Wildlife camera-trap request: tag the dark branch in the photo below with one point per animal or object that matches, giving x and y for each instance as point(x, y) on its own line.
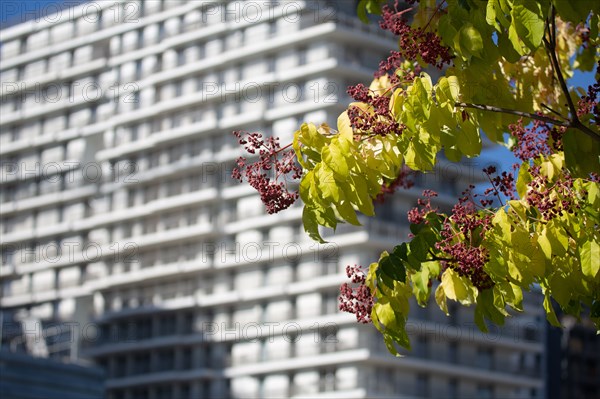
point(514, 112)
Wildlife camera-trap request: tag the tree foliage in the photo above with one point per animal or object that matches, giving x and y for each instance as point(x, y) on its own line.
point(503, 70)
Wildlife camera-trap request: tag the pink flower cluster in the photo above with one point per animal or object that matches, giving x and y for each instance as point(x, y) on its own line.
point(589, 103)
point(272, 160)
point(357, 300)
point(414, 42)
point(382, 122)
point(535, 140)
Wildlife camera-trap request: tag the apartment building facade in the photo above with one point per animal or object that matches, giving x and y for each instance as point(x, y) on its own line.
point(123, 233)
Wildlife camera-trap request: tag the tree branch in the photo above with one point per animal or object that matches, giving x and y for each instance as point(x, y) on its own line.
point(514, 112)
point(561, 79)
point(551, 50)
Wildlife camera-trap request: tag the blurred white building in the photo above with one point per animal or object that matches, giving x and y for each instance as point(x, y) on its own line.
point(124, 239)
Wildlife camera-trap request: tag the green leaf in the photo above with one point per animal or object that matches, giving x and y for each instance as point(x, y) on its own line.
point(309, 220)
point(440, 298)
point(347, 212)
point(593, 190)
point(446, 30)
point(529, 22)
point(550, 314)
point(560, 288)
point(305, 183)
point(494, 12)
point(374, 7)
point(480, 318)
point(589, 254)
point(447, 91)
point(327, 183)
point(419, 246)
point(361, 10)
point(517, 297)
point(509, 45)
point(418, 101)
point(468, 139)
point(516, 42)
point(581, 153)
point(393, 267)
point(470, 39)
point(458, 288)
point(334, 158)
point(359, 195)
point(326, 217)
point(420, 282)
point(575, 11)
point(545, 246)
point(344, 127)
point(523, 179)
point(537, 263)
point(557, 238)
point(421, 153)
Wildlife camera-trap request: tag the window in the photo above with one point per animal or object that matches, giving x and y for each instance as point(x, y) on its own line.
point(161, 29)
point(422, 387)
point(453, 389)
point(167, 325)
point(140, 36)
point(138, 69)
point(330, 264)
point(327, 380)
point(141, 363)
point(166, 360)
point(485, 392)
point(453, 352)
point(421, 348)
point(143, 329)
point(164, 392)
point(328, 337)
point(485, 358)
point(180, 57)
point(330, 303)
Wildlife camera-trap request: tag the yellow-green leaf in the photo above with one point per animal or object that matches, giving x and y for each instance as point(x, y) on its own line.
point(334, 158)
point(440, 298)
point(344, 126)
point(458, 288)
point(470, 39)
point(589, 254)
point(529, 22)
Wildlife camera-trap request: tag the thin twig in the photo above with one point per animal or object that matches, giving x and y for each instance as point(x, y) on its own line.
point(554, 111)
point(496, 192)
point(434, 257)
point(433, 15)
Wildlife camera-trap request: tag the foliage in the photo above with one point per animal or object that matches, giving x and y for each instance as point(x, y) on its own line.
point(503, 66)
